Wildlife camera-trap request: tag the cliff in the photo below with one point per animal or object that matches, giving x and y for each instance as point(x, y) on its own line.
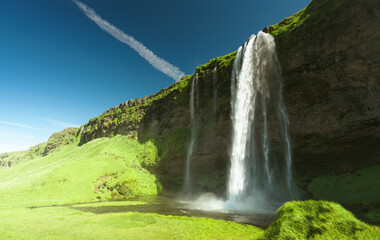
point(330, 58)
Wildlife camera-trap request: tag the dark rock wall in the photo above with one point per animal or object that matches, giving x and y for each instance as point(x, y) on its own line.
point(331, 70)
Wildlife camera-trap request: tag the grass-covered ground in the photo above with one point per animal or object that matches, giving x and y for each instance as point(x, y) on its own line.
point(71, 175)
point(103, 169)
point(65, 223)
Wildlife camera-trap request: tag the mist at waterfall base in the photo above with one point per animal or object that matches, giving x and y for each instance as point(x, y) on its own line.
point(260, 175)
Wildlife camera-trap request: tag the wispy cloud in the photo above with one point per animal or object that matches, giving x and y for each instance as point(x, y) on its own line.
point(59, 123)
point(6, 148)
point(157, 62)
point(15, 135)
point(20, 125)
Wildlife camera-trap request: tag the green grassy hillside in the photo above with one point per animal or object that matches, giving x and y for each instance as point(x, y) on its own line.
point(97, 170)
point(103, 169)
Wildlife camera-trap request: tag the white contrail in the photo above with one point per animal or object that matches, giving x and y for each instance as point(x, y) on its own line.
point(157, 62)
point(22, 126)
point(59, 123)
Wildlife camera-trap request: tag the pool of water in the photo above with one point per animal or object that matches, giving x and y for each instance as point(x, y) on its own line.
point(171, 206)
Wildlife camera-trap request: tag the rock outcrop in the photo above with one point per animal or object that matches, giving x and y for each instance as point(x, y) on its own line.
point(330, 57)
point(59, 139)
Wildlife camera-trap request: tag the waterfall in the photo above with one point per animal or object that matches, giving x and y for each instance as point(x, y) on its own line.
point(260, 153)
point(194, 86)
point(215, 100)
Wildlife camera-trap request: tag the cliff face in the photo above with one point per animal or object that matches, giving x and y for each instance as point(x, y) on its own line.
point(330, 58)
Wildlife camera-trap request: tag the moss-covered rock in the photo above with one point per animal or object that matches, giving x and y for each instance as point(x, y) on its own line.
point(318, 220)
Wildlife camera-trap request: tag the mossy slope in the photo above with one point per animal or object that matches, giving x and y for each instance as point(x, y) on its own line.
point(73, 175)
point(318, 220)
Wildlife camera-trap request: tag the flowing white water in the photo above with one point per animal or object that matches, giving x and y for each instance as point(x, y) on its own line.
point(194, 84)
point(260, 155)
point(260, 177)
point(215, 83)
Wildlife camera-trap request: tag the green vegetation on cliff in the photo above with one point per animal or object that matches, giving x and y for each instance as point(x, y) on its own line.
point(125, 118)
point(316, 13)
point(359, 190)
point(59, 139)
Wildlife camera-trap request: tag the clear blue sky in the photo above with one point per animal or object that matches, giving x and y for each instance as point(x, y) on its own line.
point(59, 69)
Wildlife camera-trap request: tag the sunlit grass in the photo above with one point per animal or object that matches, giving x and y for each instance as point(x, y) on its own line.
point(107, 204)
point(65, 223)
point(68, 176)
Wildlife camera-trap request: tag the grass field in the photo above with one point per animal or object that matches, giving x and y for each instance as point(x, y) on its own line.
point(72, 175)
point(64, 223)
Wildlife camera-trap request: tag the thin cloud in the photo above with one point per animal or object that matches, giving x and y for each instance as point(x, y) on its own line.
point(14, 135)
point(20, 125)
point(157, 62)
point(59, 123)
point(7, 148)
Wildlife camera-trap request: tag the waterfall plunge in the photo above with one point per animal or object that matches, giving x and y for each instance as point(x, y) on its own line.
point(193, 102)
point(260, 177)
point(260, 173)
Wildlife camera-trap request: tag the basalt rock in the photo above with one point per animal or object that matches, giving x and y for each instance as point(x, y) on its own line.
point(331, 75)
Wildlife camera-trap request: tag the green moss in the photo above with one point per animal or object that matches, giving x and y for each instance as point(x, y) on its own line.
point(315, 13)
point(350, 188)
point(129, 117)
point(318, 220)
point(374, 215)
point(288, 24)
point(171, 146)
point(149, 156)
point(219, 62)
point(130, 183)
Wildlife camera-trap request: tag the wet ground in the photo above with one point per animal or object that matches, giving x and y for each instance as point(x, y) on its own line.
point(170, 206)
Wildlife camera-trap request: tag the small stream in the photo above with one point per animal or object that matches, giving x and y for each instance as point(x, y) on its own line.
point(170, 206)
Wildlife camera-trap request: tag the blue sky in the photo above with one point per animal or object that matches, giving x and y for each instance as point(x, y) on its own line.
point(59, 69)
